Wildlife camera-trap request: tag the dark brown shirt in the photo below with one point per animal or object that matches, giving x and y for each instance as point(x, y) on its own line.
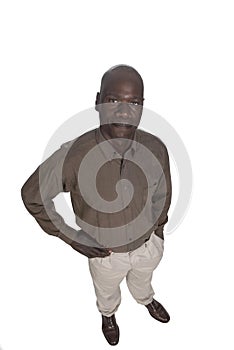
point(117, 199)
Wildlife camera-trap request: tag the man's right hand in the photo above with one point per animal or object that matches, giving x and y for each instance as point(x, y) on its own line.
point(90, 252)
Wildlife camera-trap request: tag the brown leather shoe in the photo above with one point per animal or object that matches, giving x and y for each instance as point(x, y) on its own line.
point(158, 312)
point(110, 329)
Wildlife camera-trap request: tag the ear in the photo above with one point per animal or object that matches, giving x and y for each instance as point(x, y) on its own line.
point(97, 101)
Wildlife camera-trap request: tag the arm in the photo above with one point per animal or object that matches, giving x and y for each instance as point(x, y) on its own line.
point(163, 195)
point(52, 177)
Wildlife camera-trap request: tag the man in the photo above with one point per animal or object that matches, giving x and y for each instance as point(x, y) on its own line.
point(119, 181)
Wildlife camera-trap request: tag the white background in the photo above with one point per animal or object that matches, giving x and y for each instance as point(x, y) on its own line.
point(53, 54)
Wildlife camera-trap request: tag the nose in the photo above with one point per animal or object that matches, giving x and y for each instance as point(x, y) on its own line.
point(122, 111)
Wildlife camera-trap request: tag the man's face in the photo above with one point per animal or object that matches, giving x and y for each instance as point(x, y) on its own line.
point(120, 104)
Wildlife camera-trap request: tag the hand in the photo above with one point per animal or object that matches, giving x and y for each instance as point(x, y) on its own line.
point(90, 252)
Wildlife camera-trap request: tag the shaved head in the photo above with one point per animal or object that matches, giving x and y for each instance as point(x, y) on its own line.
point(121, 71)
point(120, 103)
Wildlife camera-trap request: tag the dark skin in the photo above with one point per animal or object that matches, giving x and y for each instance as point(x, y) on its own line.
point(89, 251)
point(119, 104)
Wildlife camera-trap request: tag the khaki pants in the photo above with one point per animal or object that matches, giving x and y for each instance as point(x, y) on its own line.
point(137, 266)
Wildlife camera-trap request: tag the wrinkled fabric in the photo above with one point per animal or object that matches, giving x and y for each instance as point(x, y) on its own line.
point(60, 173)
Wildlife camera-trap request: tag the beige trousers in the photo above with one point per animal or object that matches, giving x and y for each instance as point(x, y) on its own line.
point(137, 266)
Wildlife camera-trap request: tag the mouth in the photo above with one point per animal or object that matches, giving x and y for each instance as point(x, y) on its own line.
point(122, 125)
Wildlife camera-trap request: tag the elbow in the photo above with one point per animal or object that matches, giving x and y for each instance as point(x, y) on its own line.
point(24, 195)
point(29, 191)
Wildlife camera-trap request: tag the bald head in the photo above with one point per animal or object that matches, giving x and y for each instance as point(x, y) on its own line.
point(122, 72)
point(120, 102)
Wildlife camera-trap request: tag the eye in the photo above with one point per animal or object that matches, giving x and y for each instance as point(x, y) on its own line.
point(135, 103)
point(113, 100)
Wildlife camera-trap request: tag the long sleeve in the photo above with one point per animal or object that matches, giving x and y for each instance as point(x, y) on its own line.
point(163, 193)
point(48, 180)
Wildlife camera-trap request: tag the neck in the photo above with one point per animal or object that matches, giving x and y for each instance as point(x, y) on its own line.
point(120, 144)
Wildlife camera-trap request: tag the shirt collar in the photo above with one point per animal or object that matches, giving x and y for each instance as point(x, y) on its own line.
point(109, 151)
